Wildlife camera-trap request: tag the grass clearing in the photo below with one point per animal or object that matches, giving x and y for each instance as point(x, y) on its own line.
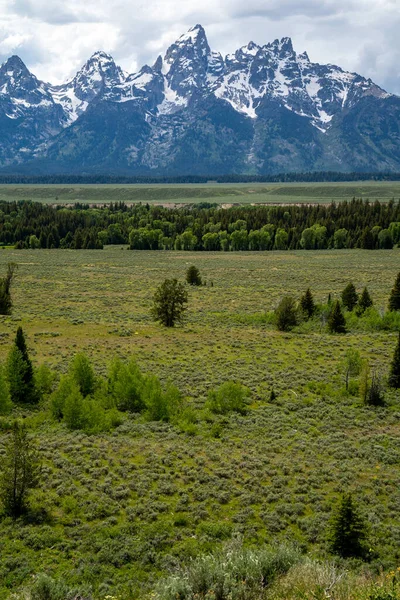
point(124, 509)
point(235, 193)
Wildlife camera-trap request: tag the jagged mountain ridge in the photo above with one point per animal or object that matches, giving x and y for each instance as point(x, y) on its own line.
point(261, 109)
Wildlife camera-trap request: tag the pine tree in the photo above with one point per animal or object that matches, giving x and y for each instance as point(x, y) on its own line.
point(349, 296)
point(394, 299)
point(169, 302)
point(5, 290)
point(336, 320)
point(365, 301)
point(307, 303)
point(193, 276)
point(347, 531)
point(20, 373)
point(394, 375)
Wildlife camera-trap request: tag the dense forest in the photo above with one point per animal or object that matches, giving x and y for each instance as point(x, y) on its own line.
point(314, 176)
point(355, 224)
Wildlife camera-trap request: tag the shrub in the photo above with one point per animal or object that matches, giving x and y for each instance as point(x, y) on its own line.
point(285, 314)
point(19, 471)
point(237, 573)
point(229, 397)
point(82, 373)
point(125, 384)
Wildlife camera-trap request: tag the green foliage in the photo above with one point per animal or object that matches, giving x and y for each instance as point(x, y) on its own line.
point(66, 387)
point(19, 471)
point(394, 374)
point(46, 588)
point(228, 397)
point(347, 531)
point(286, 314)
point(169, 302)
point(160, 405)
point(349, 296)
point(193, 276)
point(125, 383)
point(351, 365)
point(73, 410)
point(336, 320)
point(239, 573)
point(307, 304)
point(5, 290)
point(19, 372)
point(82, 373)
point(394, 298)
point(5, 399)
point(44, 380)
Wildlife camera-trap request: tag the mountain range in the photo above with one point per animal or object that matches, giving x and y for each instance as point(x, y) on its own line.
point(262, 110)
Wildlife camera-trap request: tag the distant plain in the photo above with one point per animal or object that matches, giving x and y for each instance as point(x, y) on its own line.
point(235, 193)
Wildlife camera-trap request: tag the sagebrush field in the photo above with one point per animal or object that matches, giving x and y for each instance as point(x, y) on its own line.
point(235, 193)
point(122, 510)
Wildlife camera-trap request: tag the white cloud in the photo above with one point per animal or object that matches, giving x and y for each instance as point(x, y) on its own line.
point(55, 38)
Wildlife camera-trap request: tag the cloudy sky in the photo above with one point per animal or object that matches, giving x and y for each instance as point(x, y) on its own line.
point(55, 37)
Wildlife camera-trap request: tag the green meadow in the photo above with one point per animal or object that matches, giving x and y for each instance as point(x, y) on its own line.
point(117, 512)
point(238, 193)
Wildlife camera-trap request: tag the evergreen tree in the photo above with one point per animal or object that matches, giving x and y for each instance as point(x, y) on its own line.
point(193, 276)
point(170, 301)
point(365, 301)
point(347, 532)
point(20, 373)
point(5, 290)
point(349, 296)
point(19, 472)
point(394, 375)
point(336, 320)
point(394, 299)
point(307, 303)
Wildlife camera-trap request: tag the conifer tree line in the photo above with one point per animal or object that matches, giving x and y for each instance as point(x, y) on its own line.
point(354, 224)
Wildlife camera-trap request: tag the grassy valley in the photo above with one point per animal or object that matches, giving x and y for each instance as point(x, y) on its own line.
point(117, 512)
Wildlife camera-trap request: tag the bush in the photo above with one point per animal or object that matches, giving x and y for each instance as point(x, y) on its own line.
point(19, 471)
point(82, 373)
point(229, 397)
point(161, 405)
point(237, 573)
point(125, 384)
point(286, 314)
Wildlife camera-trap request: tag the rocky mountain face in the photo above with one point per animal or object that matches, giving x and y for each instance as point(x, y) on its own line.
point(263, 109)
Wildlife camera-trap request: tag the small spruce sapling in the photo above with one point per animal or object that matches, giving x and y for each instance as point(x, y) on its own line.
point(364, 302)
point(307, 304)
point(394, 374)
point(394, 298)
point(347, 531)
point(349, 296)
point(336, 320)
point(193, 276)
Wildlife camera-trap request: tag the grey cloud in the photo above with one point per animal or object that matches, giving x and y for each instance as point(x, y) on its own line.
point(359, 35)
